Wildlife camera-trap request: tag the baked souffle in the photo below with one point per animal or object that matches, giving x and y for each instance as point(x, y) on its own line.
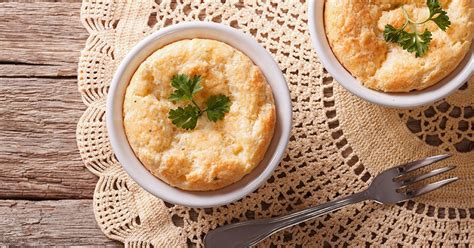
point(201, 152)
point(357, 33)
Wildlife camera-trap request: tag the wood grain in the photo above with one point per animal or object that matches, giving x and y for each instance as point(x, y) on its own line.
point(47, 223)
point(40, 39)
point(39, 155)
point(40, 102)
point(40, 106)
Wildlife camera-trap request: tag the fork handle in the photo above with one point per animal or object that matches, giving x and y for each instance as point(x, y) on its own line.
point(247, 233)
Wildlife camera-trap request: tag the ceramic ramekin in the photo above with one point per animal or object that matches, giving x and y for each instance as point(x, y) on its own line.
point(396, 100)
point(238, 40)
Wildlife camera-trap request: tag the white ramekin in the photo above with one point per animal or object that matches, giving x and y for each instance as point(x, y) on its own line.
point(396, 100)
point(238, 40)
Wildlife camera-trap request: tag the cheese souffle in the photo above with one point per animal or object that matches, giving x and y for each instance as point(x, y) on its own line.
point(213, 154)
point(355, 31)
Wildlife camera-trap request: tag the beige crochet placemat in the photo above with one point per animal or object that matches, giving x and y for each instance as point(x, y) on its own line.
point(338, 142)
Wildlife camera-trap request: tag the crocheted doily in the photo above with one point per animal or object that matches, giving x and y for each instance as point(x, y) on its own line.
point(338, 141)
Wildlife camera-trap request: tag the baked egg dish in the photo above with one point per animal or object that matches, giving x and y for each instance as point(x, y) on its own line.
point(355, 30)
point(211, 154)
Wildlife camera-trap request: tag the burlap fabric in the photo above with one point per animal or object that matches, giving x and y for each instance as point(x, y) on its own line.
point(338, 142)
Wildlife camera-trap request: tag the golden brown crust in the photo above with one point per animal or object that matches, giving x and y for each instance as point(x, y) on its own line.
point(354, 29)
point(213, 155)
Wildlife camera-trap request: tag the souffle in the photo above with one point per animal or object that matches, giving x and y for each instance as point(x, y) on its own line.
point(355, 30)
point(211, 154)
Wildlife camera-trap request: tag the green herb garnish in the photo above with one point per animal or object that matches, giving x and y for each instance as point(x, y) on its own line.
point(217, 106)
point(186, 117)
point(417, 42)
point(185, 87)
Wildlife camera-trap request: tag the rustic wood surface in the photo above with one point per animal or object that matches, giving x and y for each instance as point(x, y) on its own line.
point(45, 191)
point(46, 223)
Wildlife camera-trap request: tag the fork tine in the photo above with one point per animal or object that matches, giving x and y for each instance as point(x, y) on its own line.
point(427, 175)
point(411, 166)
point(430, 187)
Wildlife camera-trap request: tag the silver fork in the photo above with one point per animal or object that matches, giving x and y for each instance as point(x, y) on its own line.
point(389, 187)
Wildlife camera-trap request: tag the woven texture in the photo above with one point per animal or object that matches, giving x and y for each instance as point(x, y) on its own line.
point(338, 141)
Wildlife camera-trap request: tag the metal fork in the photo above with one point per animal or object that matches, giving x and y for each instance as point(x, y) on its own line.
point(389, 187)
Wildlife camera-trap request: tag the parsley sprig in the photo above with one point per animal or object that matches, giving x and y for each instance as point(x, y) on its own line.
point(417, 42)
point(186, 117)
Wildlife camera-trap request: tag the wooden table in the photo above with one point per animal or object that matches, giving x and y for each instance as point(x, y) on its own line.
point(45, 190)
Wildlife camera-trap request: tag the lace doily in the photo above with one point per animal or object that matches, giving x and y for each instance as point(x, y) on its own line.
point(338, 141)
